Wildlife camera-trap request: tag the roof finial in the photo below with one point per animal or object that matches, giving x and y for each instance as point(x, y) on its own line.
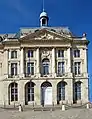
point(43, 5)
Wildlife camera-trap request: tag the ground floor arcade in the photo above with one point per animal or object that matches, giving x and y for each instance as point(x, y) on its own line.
point(43, 92)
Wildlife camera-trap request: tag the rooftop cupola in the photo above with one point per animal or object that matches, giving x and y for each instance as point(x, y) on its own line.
point(44, 19)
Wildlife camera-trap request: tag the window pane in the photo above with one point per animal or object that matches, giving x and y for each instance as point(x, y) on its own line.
point(30, 53)
point(13, 54)
point(61, 91)
point(13, 68)
point(45, 69)
point(30, 68)
point(60, 53)
point(12, 71)
point(78, 91)
point(12, 97)
point(77, 68)
point(61, 67)
point(31, 94)
point(76, 53)
point(45, 66)
point(16, 97)
point(14, 92)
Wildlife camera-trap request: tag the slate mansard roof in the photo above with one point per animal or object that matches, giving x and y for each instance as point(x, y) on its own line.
point(63, 31)
point(26, 31)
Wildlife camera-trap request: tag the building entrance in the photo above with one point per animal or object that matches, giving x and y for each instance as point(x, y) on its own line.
point(46, 93)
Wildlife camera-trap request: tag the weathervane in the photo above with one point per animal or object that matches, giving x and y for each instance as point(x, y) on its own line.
point(43, 5)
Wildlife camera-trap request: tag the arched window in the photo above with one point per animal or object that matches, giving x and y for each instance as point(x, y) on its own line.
point(13, 92)
point(29, 92)
point(45, 64)
point(78, 91)
point(61, 91)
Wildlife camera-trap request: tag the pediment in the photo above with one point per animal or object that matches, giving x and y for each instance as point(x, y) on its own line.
point(44, 34)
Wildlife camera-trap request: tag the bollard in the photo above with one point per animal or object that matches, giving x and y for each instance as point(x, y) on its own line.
point(63, 107)
point(87, 106)
point(20, 108)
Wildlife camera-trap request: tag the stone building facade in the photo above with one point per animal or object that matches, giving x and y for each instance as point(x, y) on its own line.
point(43, 66)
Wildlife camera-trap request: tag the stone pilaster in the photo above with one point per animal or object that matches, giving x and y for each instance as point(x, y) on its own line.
point(53, 63)
point(54, 93)
point(21, 92)
point(5, 64)
point(69, 91)
point(9, 54)
point(9, 69)
point(37, 94)
point(22, 63)
point(18, 66)
point(69, 61)
point(38, 63)
point(84, 91)
point(85, 63)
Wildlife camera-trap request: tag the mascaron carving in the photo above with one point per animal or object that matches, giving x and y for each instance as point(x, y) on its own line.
point(45, 54)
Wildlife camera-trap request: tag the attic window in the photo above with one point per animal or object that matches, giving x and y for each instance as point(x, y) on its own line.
point(36, 30)
point(53, 30)
point(1, 39)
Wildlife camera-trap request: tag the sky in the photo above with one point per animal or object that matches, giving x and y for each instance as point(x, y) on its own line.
point(76, 14)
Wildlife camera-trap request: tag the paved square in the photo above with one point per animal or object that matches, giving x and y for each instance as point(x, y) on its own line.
point(57, 114)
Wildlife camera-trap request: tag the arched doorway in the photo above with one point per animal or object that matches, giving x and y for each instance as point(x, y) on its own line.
point(77, 91)
point(46, 93)
point(61, 91)
point(13, 92)
point(29, 92)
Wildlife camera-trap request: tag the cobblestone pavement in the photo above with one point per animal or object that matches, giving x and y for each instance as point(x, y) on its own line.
point(57, 114)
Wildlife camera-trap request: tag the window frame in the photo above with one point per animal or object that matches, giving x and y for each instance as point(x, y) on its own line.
point(61, 53)
point(13, 54)
point(61, 91)
point(30, 68)
point(78, 90)
point(30, 53)
point(61, 67)
point(14, 69)
point(30, 92)
point(77, 68)
point(45, 66)
point(13, 92)
point(76, 53)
